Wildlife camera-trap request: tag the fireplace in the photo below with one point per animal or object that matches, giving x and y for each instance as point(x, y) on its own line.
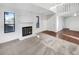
point(26, 31)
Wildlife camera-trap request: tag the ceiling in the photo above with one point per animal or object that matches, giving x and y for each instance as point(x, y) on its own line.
point(64, 9)
point(46, 5)
point(42, 8)
point(61, 9)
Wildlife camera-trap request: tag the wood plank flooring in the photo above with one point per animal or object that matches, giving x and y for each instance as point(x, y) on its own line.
point(44, 45)
point(50, 33)
point(68, 35)
point(31, 46)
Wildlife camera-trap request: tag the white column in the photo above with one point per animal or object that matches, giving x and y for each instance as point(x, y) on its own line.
point(59, 23)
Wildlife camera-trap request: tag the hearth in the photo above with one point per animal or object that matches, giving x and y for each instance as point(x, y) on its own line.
point(26, 31)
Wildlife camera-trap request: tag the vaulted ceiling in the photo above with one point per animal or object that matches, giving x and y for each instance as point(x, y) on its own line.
point(26, 7)
point(63, 9)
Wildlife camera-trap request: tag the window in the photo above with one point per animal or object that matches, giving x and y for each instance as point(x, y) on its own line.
point(9, 22)
point(37, 24)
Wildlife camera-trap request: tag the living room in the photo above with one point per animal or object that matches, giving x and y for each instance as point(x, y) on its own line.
point(39, 28)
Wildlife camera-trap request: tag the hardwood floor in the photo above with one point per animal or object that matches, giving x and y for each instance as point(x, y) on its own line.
point(31, 46)
point(50, 33)
point(69, 35)
point(66, 34)
point(44, 45)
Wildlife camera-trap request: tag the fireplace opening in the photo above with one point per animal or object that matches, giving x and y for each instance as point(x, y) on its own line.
point(26, 31)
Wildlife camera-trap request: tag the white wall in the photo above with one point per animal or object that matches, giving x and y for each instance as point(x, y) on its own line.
point(22, 19)
point(72, 23)
point(55, 23)
point(51, 23)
